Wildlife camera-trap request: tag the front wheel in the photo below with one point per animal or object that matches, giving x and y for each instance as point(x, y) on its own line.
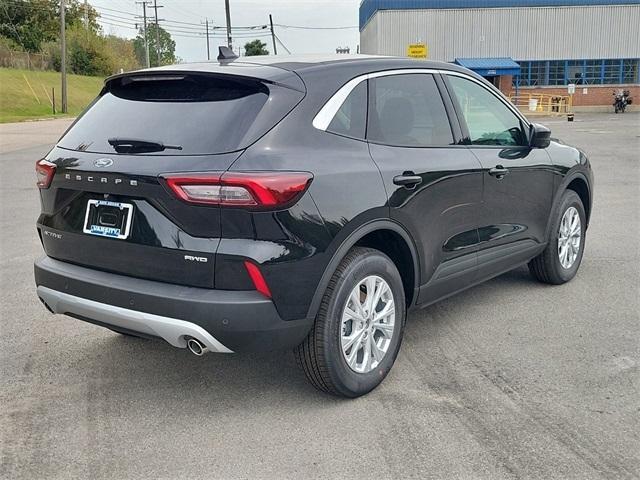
point(358, 330)
point(560, 260)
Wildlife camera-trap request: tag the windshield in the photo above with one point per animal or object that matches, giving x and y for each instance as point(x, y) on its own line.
point(202, 114)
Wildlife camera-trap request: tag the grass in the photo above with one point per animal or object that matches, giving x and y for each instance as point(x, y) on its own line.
point(26, 94)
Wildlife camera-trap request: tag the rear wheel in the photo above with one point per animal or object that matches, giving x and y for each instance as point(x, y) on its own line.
point(560, 261)
point(358, 330)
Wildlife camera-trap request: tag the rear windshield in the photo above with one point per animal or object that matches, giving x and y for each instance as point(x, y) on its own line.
point(200, 114)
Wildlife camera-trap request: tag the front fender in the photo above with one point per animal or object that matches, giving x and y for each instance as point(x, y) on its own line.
point(582, 174)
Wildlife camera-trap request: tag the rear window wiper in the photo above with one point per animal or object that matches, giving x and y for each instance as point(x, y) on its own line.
point(132, 145)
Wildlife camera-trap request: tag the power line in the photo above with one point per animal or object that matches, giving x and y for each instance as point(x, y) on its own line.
point(304, 27)
point(282, 25)
point(186, 25)
point(130, 22)
point(248, 27)
point(184, 11)
point(118, 25)
point(218, 36)
point(182, 33)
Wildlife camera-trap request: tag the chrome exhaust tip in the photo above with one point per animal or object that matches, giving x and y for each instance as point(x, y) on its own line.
point(196, 347)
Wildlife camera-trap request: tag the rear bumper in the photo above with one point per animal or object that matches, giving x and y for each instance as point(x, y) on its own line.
point(225, 321)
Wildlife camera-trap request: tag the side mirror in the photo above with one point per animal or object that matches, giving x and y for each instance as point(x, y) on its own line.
point(539, 136)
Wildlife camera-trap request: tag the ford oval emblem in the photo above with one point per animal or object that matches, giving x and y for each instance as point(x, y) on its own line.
point(103, 162)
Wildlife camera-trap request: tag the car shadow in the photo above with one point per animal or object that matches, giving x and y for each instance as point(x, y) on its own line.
point(118, 365)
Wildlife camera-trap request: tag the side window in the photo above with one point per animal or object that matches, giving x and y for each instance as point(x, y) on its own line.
point(350, 120)
point(490, 122)
point(407, 110)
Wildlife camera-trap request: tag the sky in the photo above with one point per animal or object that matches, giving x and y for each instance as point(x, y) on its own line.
point(183, 20)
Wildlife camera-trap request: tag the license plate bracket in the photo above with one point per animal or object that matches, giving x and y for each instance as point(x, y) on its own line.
point(105, 218)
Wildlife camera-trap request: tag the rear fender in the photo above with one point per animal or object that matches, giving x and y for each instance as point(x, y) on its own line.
point(345, 244)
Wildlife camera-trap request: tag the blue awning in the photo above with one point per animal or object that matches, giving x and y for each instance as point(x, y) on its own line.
point(488, 67)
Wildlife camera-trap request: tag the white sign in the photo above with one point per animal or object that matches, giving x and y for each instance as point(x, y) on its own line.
point(571, 88)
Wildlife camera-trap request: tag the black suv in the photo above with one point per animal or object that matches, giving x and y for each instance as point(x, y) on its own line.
point(300, 202)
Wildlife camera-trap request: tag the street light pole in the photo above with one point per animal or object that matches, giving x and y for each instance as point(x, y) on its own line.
point(63, 54)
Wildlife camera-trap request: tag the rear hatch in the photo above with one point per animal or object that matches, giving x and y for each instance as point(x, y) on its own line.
point(105, 205)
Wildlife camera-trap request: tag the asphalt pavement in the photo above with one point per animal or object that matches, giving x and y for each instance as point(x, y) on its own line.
point(511, 379)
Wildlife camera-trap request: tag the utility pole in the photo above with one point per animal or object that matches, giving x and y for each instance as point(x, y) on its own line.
point(63, 54)
point(146, 41)
point(228, 14)
point(206, 23)
point(155, 7)
point(273, 36)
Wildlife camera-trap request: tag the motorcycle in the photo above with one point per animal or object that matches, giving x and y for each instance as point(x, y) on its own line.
point(621, 100)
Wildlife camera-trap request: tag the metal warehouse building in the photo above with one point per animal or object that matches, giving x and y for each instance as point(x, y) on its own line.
point(521, 45)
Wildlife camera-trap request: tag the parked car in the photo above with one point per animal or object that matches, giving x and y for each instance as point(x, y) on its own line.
point(300, 202)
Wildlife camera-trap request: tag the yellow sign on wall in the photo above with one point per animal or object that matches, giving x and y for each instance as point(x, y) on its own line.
point(418, 50)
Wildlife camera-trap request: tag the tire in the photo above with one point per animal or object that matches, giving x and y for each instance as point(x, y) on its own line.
point(321, 354)
point(548, 267)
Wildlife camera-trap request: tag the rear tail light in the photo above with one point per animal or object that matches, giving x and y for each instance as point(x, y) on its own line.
point(242, 189)
point(258, 280)
point(44, 173)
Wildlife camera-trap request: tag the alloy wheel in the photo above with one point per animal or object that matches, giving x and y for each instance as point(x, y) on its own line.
point(368, 324)
point(569, 237)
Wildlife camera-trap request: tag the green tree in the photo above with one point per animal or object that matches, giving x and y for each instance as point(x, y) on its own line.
point(30, 23)
point(121, 54)
point(90, 53)
point(256, 47)
point(167, 46)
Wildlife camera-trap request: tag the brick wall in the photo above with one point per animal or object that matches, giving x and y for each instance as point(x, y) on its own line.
point(597, 95)
point(505, 84)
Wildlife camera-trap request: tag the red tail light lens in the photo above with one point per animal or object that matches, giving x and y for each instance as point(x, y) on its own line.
point(243, 189)
point(258, 280)
point(44, 173)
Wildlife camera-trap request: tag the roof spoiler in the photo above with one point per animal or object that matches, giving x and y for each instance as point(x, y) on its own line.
point(226, 54)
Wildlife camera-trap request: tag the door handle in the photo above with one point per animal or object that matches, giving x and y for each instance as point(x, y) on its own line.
point(407, 179)
point(498, 171)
